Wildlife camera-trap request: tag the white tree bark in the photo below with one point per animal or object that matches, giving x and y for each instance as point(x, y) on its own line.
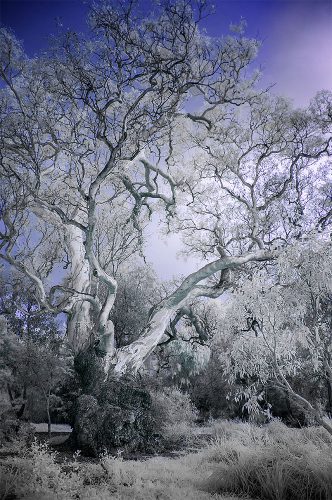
point(130, 358)
point(79, 321)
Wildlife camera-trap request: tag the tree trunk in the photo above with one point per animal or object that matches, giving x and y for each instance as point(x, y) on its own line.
point(79, 318)
point(305, 405)
point(79, 325)
point(20, 411)
point(130, 358)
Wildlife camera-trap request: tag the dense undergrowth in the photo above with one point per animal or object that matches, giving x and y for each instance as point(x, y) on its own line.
point(271, 462)
point(239, 460)
point(38, 475)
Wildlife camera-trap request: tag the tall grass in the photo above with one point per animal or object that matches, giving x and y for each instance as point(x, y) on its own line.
point(38, 475)
point(272, 462)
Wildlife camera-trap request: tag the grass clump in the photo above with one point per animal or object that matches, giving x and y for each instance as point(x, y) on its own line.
point(272, 462)
point(37, 474)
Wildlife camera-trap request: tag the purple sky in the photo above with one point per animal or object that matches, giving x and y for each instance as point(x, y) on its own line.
point(296, 53)
point(296, 34)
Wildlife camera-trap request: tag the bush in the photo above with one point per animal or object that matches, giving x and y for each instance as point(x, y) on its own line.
point(127, 413)
point(209, 392)
point(271, 462)
point(14, 434)
point(118, 415)
point(172, 406)
point(175, 415)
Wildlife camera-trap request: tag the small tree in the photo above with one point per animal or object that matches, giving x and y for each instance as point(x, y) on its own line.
point(31, 347)
point(28, 365)
point(48, 370)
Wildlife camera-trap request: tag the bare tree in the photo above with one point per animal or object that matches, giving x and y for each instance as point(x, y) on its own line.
point(97, 134)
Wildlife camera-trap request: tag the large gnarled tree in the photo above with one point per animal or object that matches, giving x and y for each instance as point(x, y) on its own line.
point(146, 115)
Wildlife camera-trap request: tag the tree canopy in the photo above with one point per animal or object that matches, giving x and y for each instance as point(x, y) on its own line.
point(143, 115)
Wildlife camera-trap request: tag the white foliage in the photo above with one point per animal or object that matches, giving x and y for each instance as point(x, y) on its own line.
point(289, 305)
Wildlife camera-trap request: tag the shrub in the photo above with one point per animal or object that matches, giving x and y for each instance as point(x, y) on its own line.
point(37, 475)
point(210, 392)
point(14, 434)
point(118, 415)
point(271, 462)
point(175, 415)
point(173, 406)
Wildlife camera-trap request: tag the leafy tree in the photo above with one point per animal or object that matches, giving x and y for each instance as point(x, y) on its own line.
point(138, 291)
point(29, 365)
point(281, 326)
point(31, 350)
point(211, 392)
point(49, 369)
